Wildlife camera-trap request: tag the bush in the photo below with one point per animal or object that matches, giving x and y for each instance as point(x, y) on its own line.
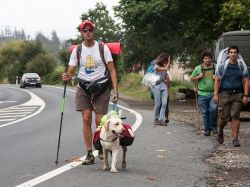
point(130, 84)
point(54, 77)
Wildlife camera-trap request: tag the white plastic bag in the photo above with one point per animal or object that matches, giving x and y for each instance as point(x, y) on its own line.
point(150, 79)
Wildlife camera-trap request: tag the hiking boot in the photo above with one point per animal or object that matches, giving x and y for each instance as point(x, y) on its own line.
point(89, 159)
point(207, 132)
point(215, 131)
point(236, 142)
point(220, 137)
point(100, 154)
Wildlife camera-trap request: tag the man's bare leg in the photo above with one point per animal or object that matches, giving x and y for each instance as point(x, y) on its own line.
point(220, 136)
point(87, 135)
point(235, 132)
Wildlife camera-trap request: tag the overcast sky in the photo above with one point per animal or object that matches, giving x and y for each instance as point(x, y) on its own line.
point(33, 16)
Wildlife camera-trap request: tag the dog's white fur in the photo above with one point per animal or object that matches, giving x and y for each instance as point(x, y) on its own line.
point(109, 135)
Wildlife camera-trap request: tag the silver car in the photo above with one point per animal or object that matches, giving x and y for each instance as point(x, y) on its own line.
point(30, 79)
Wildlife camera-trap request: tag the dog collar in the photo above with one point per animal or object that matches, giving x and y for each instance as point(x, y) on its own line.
point(109, 141)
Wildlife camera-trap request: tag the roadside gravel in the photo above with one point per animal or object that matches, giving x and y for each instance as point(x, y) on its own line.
point(231, 165)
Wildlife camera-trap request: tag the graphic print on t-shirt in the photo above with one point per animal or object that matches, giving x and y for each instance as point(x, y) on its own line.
point(90, 64)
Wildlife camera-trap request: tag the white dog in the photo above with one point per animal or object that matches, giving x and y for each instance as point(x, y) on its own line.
point(109, 137)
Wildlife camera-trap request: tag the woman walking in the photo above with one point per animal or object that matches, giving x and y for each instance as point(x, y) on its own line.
point(160, 89)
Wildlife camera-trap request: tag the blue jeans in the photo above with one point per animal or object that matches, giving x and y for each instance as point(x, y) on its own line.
point(160, 97)
point(209, 111)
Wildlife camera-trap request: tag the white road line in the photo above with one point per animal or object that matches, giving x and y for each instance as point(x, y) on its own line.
point(25, 107)
point(34, 101)
point(71, 165)
point(18, 110)
point(7, 101)
point(16, 115)
point(10, 113)
point(6, 120)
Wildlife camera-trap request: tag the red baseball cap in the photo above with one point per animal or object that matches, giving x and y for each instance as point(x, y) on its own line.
point(85, 22)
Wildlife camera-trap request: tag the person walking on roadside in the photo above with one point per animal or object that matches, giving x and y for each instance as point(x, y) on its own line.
point(91, 68)
point(168, 82)
point(160, 90)
point(230, 90)
point(204, 75)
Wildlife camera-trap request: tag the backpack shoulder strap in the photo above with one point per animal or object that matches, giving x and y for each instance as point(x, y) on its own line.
point(202, 69)
point(213, 69)
point(101, 50)
point(78, 53)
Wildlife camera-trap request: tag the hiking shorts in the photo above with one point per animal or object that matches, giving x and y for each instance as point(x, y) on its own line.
point(99, 104)
point(230, 105)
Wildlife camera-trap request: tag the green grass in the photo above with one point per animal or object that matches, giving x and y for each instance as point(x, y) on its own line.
point(130, 84)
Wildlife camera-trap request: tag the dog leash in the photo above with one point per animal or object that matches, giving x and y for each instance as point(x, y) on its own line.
point(116, 109)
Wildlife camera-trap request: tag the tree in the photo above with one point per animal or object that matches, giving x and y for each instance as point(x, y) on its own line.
point(55, 40)
point(64, 56)
point(235, 15)
point(18, 57)
point(106, 28)
point(8, 34)
point(52, 45)
point(153, 26)
point(42, 64)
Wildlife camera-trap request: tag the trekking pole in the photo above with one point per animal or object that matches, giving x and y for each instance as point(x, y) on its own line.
point(60, 129)
point(197, 109)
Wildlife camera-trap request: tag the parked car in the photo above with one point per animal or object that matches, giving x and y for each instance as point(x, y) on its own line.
point(30, 79)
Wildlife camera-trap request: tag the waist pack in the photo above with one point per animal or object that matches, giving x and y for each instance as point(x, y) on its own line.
point(95, 88)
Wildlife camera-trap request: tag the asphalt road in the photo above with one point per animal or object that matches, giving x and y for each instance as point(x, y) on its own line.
point(160, 156)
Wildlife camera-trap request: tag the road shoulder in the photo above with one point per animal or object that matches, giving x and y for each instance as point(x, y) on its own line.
point(231, 166)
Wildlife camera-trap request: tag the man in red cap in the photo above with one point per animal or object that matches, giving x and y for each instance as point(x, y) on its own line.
point(92, 69)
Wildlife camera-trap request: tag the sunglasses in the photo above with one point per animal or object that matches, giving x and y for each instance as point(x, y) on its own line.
point(87, 30)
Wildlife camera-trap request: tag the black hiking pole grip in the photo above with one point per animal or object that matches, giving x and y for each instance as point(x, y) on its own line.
point(60, 129)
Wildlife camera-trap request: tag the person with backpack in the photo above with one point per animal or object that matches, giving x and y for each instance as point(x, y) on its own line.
point(160, 89)
point(203, 76)
point(230, 90)
point(168, 82)
point(96, 74)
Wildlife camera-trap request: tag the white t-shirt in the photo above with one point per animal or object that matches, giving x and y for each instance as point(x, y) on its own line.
point(91, 65)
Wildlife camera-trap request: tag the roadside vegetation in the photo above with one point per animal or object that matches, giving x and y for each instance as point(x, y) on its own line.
point(130, 84)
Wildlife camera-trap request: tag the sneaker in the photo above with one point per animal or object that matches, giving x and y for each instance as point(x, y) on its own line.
point(100, 154)
point(89, 159)
point(166, 120)
point(162, 123)
point(215, 131)
point(156, 122)
point(236, 142)
point(207, 132)
point(220, 137)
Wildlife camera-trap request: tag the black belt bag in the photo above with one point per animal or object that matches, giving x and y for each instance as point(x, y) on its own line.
point(236, 91)
point(95, 88)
